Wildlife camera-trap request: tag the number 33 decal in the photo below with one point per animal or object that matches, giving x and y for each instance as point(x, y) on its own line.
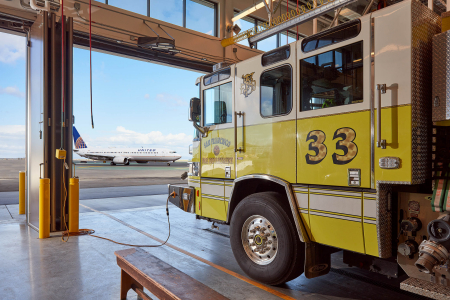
point(346, 144)
point(318, 137)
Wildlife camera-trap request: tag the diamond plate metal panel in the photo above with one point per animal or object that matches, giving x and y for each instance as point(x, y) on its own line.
point(425, 288)
point(384, 220)
point(441, 77)
point(439, 6)
point(425, 24)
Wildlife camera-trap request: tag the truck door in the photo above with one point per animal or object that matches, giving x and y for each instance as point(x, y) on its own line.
point(265, 113)
point(334, 131)
point(217, 148)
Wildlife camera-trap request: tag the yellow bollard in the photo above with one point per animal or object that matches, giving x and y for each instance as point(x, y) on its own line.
point(44, 208)
point(74, 208)
point(21, 193)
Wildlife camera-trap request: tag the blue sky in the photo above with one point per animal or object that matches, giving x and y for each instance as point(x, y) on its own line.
point(136, 103)
point(12, 95)
point(199, 17)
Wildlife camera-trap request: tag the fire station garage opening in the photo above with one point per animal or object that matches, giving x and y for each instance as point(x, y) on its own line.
point(175, 149)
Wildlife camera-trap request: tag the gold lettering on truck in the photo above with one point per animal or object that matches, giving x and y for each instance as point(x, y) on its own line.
point(217, 160)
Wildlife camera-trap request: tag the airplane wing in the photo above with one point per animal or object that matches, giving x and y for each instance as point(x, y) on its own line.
point(99, 157)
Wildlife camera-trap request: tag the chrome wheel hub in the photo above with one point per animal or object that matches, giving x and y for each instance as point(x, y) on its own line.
point(259, 240)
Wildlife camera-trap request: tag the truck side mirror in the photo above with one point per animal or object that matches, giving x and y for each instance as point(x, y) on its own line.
point(194, 116)
point(194, 110)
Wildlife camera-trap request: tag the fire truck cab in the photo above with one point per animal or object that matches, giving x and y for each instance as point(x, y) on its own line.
point(323, 145)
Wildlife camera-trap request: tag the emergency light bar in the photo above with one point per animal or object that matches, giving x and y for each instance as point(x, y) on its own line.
point(292, 22)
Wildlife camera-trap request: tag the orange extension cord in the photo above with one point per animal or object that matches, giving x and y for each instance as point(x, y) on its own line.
point(64, 206)
point(91, 231)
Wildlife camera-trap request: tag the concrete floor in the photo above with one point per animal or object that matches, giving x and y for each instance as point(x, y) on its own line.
point(85, 267)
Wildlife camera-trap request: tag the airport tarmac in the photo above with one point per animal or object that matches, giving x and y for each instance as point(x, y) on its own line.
point(9, 198)
point(99, 174)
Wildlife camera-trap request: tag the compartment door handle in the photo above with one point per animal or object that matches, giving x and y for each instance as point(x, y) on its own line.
point(381, 89)
point(240, 114)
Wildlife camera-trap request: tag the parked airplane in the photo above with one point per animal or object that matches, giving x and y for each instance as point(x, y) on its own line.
point(123, 155)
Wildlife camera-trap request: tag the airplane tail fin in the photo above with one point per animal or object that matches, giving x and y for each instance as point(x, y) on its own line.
point(79, 143)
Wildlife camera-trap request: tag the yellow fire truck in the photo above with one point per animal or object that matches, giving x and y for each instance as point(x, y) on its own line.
point(329, 144)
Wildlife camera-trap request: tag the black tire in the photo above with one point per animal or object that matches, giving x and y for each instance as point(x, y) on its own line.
point(288, 263)
point(113, 164)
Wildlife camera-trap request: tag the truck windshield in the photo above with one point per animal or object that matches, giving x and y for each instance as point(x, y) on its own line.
point(217, 104)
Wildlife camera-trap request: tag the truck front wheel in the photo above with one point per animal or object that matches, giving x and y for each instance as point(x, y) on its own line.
point(264, 240)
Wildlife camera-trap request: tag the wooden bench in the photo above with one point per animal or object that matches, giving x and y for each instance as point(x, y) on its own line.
point(142, 270)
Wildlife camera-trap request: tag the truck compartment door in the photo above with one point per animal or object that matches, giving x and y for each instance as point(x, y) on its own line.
point(334, 133)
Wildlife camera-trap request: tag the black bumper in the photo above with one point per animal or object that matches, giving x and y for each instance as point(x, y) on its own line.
point(182, 196)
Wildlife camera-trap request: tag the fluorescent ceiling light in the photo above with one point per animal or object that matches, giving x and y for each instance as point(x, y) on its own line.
point(249, 10)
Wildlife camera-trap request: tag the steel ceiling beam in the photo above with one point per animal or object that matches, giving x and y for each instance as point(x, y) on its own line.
point(82, 39)
point(321, 10)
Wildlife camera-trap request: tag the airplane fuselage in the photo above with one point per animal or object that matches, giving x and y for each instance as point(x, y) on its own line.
point(124, 155)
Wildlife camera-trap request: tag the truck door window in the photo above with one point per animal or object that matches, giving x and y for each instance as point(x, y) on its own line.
point(217, 104)
point(334, 35)
point(218, 76)
point(332, 78)
point(276, 92)
point(276, 55)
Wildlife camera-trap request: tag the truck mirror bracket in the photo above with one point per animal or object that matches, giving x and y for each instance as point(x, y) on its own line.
point(203, 130)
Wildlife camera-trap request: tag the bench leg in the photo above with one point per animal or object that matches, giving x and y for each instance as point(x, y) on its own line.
point(126, 281)
point(141, 295)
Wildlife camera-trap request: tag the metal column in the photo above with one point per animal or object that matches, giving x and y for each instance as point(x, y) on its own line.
point(37, 97)
point(45, 120)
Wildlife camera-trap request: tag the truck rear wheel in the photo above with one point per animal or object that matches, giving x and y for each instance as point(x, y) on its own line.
point(264, 239)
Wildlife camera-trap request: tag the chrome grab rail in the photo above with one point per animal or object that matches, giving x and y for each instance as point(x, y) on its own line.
point(381, 89)
point(240, 114)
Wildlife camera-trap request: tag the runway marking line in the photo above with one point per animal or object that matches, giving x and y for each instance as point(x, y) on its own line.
point(239, 276)
point(89, 167)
